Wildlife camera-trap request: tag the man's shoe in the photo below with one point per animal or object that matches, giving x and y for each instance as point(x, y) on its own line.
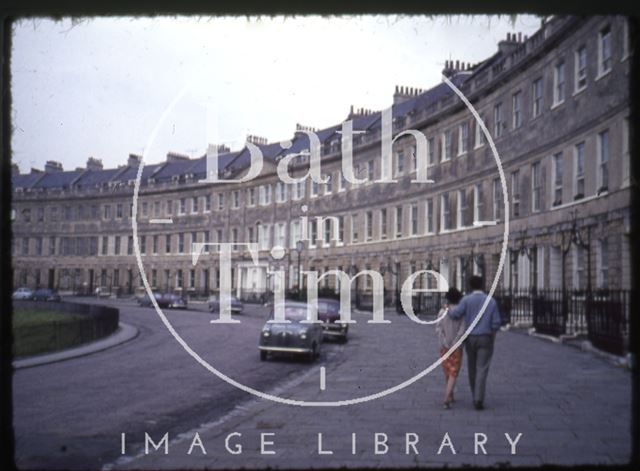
point(478, 405)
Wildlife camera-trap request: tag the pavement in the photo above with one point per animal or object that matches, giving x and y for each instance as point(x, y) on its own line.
point(124, 333)
point(567, 406)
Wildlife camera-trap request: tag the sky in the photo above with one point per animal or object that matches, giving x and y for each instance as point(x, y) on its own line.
point(108, 87)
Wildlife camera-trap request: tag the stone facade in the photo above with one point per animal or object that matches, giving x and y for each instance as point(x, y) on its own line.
point(558, 115)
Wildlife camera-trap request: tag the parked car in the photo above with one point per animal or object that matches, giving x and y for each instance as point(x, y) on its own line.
point(166, 300)
point(22, 293)
point(46, 294)
point(175, 301)
point(293, 337)
point(236, 305)
point(329, 314)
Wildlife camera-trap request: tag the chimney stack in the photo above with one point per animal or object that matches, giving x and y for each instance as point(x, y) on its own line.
point(133, 160)
point(174, 156)
point(257, 140)
point(94, 164)
point(52, 166)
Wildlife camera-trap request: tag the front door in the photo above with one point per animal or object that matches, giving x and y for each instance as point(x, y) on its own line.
point(52, 277)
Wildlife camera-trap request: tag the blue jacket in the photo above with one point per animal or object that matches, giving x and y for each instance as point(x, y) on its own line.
point(470, 306)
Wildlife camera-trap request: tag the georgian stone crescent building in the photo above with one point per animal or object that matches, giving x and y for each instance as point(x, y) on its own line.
point(556, 105)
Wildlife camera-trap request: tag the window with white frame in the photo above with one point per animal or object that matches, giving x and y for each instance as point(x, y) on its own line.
point(183, 206)
point(414, 158)
point(603, 263)
point(536, 187)
point(516, 101)
point(558, 83)
point(497, 120)
point(234, 238)
point(296, 234)
point(370, 171)
point(328, 186)
point(480, 137)
point(604, 50)
point(557, 166)
point(463, 138)
point(478, 202)
point(580, 69)
point(603, 161)
point(314, 188)
point(515, 193)
point(498, 203)
point(207, 203)
point(431, 151)
point(446, 145)
point(578, 155)
point(445, 214)
point(281, 192)
point(414, 219)
point(536, 95)
point(398, 221)
point(264, 233)
point(207, 239)
point(265, 195)
point(220, 201)
point(251, 196)
point(342, 182)
point(299, 189)
point(462, 208)
point(400, 162)
point(354, 228)
point(281, 234)
point(236, 199)
point(429, 216)
point(340, 229)
point(383, 223)
point(181, 242)
point(368, 221)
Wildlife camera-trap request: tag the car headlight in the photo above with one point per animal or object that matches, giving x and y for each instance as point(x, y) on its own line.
point(303, 334)
point(266, 333)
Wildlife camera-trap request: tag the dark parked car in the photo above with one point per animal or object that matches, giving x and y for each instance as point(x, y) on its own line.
point(168, 300)
point(294, 337)
point(329, 314)
point(236, 305)
point(46, 294)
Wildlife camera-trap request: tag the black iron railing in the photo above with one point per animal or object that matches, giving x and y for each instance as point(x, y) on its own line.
point(602, 315)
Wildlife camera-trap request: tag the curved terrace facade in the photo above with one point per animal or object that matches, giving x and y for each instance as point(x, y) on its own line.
point(556, 105)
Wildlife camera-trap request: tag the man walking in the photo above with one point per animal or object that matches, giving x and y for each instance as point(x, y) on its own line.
point(479, 343)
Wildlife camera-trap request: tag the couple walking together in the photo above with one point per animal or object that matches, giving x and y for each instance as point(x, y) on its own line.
point(456, 316)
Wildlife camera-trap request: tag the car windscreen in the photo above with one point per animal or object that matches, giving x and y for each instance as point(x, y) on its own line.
point(329, 308)
point(294, 313)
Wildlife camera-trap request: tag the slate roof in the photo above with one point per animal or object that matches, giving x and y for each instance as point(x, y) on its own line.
point(58, 179)
point(25, 180)
point(166, 171)
point(97, 177)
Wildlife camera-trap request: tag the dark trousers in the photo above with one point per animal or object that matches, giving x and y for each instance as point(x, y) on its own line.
point(479, 351)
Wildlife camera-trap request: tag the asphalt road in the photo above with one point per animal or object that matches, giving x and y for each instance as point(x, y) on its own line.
point(69, 415)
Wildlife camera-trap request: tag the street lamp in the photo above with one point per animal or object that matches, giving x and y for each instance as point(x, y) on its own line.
point(299, 249)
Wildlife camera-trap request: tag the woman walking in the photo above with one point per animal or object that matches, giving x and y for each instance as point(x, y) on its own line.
point(449, 332)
